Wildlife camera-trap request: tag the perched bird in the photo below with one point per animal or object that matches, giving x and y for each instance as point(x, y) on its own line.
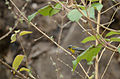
point(75, 50)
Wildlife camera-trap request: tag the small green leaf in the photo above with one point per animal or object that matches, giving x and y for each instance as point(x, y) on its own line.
point(90, 11)
point(17, 61)
point(119, 49)
point(89, 55)
point(97, 6)
point(24, 69)
point(74, 15)
point(13, 38)
point(10, 29)
point(24, 33)
point(30, 17)
point(115, 39)
point(89, 38)
point(111, 33)
point(45, 11)
point(55, 10)
point(17, 31)
point(91, 77)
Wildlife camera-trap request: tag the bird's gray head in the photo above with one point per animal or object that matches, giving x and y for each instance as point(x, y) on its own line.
point(70, 46)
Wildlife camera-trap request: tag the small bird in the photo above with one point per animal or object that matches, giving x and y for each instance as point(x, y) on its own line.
point(75, 50)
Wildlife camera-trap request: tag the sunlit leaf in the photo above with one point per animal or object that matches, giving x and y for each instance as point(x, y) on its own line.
point(10, 29)
point(24, 33)
point(88, 55)
point(17, 31)
point(74, 15)
point(97, 6)
point(111, 33)
point(91, 77)
point(115, 39)
point(24, 69)
point(17, 61)
point(89, 38)
point(45, 11)
point(55, 10)
point(13, 38)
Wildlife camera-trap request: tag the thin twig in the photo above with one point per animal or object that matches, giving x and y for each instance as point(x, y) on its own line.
point(108, 63)
point(84, 29)
point(98, 31)
point(70, 67)
point(38, 38)
point(111, 20)
point(101, 54)
point(88, 70)
point(4, 36)
point(10, 68)
point(110, 8)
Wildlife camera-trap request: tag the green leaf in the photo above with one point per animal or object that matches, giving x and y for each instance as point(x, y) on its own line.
point(13, 38)
point(74, 15)
point(115, 39)
point(107, 39)
point(45, 11)
point(91, 77)
point(24, 33)
point(89, 55)
point(89, 38)
point(17, 31)
point(119, 49)
point(111, 33)
point(30, 17)
point(17, 61)
point(97, 6)
point(55, 10)
point(90, 11)
point(24, 69)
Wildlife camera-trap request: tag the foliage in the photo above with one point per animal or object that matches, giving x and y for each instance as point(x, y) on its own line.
point(17, 61)
point(19, 33)
point(46, 11)
point(89, 55)
point(112, 33)
point(74, 15)
point(13, 38)
point(89, 38)
point(24, 33)
point(24, 69)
